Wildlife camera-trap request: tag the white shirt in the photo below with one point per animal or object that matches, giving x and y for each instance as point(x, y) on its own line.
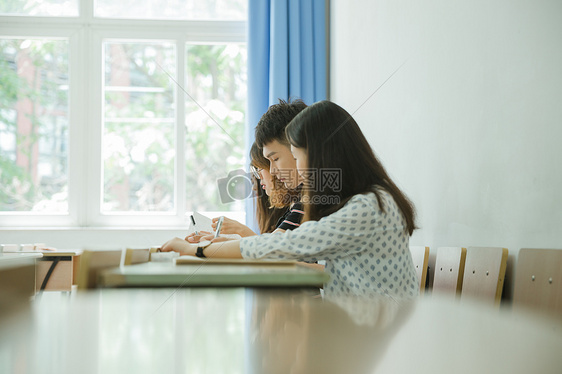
point(366, 250)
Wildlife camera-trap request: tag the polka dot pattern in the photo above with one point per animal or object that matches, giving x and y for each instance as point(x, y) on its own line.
point(366, 248)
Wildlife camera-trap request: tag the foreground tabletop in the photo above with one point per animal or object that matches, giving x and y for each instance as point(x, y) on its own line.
point(236, 330)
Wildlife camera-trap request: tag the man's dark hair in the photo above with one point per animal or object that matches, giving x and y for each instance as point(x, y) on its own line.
point(271, 125)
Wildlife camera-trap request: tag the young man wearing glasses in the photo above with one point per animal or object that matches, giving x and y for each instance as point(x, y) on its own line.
point(271, 138)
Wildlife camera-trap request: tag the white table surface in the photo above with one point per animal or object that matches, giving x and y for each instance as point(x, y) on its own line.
point(55, 252)
point(14, 259)
point(233, 330)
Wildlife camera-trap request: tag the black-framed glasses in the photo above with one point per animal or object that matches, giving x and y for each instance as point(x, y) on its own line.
point(256, 171)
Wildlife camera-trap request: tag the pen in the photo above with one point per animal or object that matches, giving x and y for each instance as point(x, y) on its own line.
point(219, 226)
point(194, 226)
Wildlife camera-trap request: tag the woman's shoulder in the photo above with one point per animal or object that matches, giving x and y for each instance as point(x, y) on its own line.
point(359, 203)
point(367, 197)
point(369, 200)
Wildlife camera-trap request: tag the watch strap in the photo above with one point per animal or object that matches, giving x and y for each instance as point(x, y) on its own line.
point(202, 245)
point(200, 253)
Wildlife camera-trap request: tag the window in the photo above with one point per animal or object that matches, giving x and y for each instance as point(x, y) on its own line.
point(34, 125)
point(139, 118)
point(53, 8)
point(119, 113)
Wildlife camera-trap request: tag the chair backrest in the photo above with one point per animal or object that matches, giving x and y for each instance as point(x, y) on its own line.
point(484, 273)
point(449, 270)
point(136, 255)
point(538, 280)
point(420, 256)
point(431, 269)
point(92, 262)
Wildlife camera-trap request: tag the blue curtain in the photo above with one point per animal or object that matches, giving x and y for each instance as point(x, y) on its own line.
point(286, 59)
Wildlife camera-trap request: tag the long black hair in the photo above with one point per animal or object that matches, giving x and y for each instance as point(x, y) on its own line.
point(334, 143)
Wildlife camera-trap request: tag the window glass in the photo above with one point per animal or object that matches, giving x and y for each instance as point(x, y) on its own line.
point(53, 8)
point(132, 109)
point(215, 119)
point(34, 106)
point(172, 9)
point(138, 146)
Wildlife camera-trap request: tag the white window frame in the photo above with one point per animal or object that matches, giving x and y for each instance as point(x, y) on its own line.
point(85, 35)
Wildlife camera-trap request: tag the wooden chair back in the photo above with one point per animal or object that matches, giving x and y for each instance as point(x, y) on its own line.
point(420, 256)
point(431, 268)
point(484, 273)
point(449, 270)
point(92, 262)
point(136, 256)
point(538, 280)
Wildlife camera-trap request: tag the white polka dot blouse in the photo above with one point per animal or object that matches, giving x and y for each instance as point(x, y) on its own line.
point(365, 248)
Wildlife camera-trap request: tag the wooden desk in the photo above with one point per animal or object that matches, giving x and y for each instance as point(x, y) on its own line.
point(235, 330)
point(56, 270)
point(163, 274)
point(17, 279)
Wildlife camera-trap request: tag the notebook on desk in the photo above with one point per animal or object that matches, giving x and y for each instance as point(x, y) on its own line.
point(190, 260)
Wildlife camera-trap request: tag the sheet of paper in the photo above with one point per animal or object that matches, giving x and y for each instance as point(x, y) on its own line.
point(203, 223)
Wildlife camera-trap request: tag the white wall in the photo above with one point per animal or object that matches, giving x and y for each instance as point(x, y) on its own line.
point(471, 125)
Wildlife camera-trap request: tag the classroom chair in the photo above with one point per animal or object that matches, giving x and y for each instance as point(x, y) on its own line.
point(420, 256)
point(538, 281)
point(484, 273)
point(449, 270)
point(92, 262)
point(136, 256)
point(430, 270)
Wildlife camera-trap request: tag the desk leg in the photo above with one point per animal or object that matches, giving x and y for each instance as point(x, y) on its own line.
point(46, 279)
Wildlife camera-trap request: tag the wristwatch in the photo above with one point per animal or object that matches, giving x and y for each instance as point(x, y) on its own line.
point(200, 247)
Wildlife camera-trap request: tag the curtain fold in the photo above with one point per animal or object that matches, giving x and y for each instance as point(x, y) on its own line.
point(286, 59)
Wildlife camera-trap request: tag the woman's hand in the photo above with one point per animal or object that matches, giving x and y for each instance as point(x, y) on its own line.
point(226, 249)
point(230, 226)
point(179, 245)
point(203, 235)
point(211, 238)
